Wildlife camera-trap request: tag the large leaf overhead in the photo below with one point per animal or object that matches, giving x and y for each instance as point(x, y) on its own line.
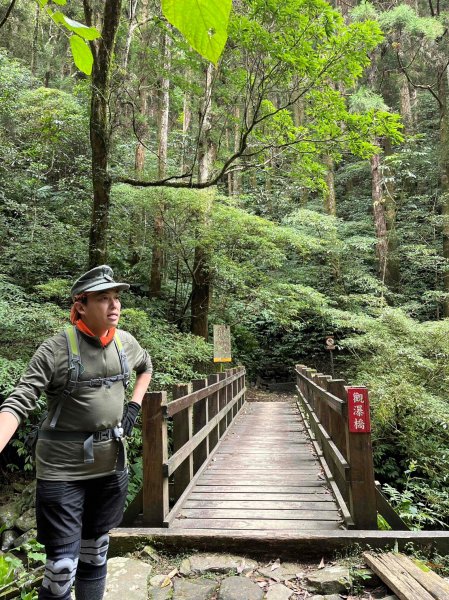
point(82, 54)
point(204, 23)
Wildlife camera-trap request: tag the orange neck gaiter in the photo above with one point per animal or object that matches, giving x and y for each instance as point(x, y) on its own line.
point(104, 339)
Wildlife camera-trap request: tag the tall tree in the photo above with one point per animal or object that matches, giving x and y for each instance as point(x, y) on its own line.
point(201, 276)
point(100, 134)
point(415, 39)
point(163, 121)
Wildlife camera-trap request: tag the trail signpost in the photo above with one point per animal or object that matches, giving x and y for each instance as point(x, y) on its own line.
point(222, 344)
point(330, 345)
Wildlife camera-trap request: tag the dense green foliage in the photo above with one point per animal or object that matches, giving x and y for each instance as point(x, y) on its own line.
point(284, 268)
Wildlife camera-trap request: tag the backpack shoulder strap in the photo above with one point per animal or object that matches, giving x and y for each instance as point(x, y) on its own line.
point(74, 369)
point(123, 359)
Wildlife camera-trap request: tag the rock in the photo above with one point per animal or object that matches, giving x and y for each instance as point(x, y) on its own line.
point(158, 580)
point(26, 521)
point(239, 588)
point(18, 487)
point(150, 552)
point(26, 537)
point(28, 497)
point(127, 578)
point(9, 537)
point(366, 578)
point(160, 593)
point(184, 568)
point(285, 572)
point(8, 514)
point(194, 590)
point(278, 592)
point(330, 580)
point(216, 563)
point(327, 597)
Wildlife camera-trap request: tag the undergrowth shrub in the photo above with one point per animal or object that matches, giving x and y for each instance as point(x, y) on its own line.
point(405, 365)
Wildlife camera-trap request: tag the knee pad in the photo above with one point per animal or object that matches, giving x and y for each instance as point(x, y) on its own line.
point(94, 551)
point(59, 575)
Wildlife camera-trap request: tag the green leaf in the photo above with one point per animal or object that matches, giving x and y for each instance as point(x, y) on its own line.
point(82, 54)
point(59, 2)
point(42, 3)
point(87, 33)
point(204, 23)
point(56, 16)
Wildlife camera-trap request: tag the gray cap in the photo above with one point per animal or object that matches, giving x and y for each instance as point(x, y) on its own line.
point(96, 280)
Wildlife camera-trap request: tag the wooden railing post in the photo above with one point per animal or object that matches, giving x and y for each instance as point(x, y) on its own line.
point(222, 403)
point(155, 454)
point(229, 390)
point(200, 418)
point(363, 503)
point(235, 387)
point(337, 388)
point(359, 454)
point(212, 411)
point(240, 386)
point(182, 433)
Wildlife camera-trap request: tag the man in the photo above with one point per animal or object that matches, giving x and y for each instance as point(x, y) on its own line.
point(81, 471)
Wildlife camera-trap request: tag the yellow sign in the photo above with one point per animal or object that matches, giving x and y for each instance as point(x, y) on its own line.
point(222, 343)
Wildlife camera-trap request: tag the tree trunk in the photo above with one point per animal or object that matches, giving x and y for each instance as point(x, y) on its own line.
point(330, 203)
point(406, 104)
point(201, 281)
point(35, 40)
point(236, 175)
point(158, 230)
point(186, 119)
point(206, 147)
point(232, 138)
point(103, 52)
point(144, 96)
point(444, 176)
point(393, 270)
point(229, 176)
point(380, 221)
point(132, 7)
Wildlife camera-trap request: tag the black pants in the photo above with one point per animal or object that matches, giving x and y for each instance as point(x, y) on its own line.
point(67, 511)
point(73, 518)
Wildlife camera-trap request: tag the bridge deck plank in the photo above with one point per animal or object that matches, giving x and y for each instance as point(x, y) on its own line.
point(264, 476)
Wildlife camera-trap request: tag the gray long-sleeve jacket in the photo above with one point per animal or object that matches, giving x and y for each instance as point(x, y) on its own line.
point(88, 409)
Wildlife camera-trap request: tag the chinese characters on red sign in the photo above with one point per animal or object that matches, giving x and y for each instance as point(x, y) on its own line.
point(358, 410)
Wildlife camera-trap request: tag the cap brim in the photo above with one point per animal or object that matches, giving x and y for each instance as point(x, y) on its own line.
point(100, 287)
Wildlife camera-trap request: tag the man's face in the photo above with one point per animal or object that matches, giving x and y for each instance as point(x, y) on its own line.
point(102, 311)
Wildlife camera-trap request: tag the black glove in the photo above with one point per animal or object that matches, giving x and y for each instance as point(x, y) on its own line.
point(129, 417)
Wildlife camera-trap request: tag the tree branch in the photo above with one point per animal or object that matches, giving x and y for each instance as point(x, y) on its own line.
point(8, 12)
point(417, 86)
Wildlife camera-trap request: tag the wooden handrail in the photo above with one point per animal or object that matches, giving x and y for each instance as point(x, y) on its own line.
point(200, 419)
point(189, 399)
point(348, 455)
point(335, 403)
point(176, 459)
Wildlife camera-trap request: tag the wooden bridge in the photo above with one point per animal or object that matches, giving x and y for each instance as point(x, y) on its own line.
point(266, 473)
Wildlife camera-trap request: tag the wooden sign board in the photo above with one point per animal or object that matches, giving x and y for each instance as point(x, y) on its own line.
point(222, 343)
point(358, 410)
point(330, 342)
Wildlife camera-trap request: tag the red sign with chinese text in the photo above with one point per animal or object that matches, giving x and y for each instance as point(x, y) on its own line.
point(358, 410)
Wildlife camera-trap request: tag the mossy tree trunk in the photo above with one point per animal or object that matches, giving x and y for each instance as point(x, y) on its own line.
point(103, 53)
